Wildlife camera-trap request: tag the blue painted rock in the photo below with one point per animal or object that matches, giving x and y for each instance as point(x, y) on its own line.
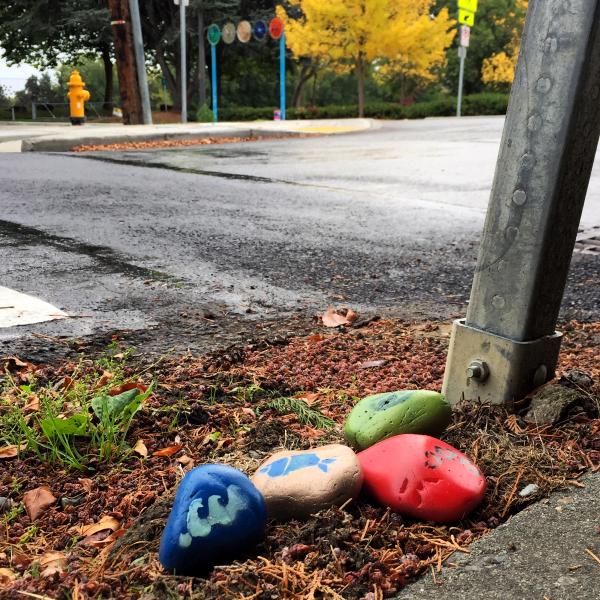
point(217, 513)
point(299, 483)
point(422, 477)
point(381, 416)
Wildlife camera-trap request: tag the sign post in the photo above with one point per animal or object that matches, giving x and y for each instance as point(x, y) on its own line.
point(214, 35)
point(507, 345)
point(466, 16)
point(277, 31)
point(182, 50)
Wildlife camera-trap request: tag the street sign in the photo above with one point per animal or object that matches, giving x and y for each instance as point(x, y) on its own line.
point(470, 5)
point(466, 17)
point(244, 31)
point(462, 52)
point(228, 33)
point(259, 30)
point(465, 35)
point(276, 28)
point(213, 34)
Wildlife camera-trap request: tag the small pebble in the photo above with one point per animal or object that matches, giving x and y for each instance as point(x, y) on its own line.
point(528, 490)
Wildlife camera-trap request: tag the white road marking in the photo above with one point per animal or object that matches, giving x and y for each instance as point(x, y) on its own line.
point(17, 308)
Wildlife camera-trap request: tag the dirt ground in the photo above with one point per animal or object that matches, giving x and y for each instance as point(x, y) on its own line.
point(99, 538)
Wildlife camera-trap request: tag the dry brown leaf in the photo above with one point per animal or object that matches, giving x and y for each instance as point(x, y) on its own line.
point(86, 484)
point(184, 460)
point(131, 385)
point(106, 377)
point(37, 501)
point(52, 562)
point(308, 397)
point(33, 405)
point(106, 522)
point(316, 337)
point(338, 317)
point(168, 451)
point(7, 575)
point(140, 448)
point(11, 451)
point(67, 383)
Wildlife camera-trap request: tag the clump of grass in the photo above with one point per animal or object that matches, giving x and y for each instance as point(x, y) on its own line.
point(74, 421)
point(306, 414)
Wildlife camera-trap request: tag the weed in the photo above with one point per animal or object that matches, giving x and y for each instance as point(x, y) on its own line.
point(306, 414)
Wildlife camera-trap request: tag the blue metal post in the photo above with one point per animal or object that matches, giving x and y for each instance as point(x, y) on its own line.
point(282, 75)
point(213, 85)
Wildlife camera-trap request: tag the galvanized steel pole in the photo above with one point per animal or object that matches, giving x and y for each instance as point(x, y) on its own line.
point(462, 53)
point(136, 29)
point(508, 345)
point(183, 67)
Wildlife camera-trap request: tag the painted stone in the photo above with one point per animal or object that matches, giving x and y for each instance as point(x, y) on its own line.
point(381, 416)
point(299, 483)
point(217, 513)
point(422, 477)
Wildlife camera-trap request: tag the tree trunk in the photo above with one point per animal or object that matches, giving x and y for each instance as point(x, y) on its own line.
point(360, 77)
point(126, 68)
point(169, 77)
point(305, 74)
point(108, 79)
point(201, 61)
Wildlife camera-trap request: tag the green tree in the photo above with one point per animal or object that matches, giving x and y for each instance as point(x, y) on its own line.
point(41, 90)
point(4, 99)
point(46, 33)
point(495, 23)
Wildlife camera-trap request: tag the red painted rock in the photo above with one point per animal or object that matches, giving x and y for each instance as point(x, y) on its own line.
point(422, 477)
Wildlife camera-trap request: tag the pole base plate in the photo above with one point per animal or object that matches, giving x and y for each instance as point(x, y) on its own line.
point(489, 368)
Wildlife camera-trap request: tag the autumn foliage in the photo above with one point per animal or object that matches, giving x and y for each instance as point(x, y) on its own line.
point(386, 36)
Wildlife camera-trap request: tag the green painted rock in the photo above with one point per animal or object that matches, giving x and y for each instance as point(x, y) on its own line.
point(381, 416)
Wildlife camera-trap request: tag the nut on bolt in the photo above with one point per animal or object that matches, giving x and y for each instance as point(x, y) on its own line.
point(479, 370)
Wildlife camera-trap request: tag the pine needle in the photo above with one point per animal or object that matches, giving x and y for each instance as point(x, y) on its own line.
point(306, 414)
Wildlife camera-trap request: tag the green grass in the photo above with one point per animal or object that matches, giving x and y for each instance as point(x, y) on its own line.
point(77, 423)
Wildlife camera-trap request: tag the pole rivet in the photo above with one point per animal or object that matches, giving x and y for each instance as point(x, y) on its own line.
point(479, 370)
point(534, 122)
point(498, 302)
point(519, 197)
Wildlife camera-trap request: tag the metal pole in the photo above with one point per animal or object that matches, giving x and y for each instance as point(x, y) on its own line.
point(546, 156)
point(182, 39)
point(33, 112)
point(213, 81)
point(462, 53)
point(138, 46)
point(282, 75)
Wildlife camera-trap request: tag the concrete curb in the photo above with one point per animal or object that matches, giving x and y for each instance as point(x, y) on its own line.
point(65, 142)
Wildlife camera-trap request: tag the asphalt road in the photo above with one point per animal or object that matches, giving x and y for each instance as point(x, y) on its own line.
point(192, 248)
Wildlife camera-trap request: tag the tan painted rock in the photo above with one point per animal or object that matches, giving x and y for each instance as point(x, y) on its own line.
point(299, 483)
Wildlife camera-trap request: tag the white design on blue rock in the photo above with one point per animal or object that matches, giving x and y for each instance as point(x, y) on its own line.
point(287, 464)
point(218, 514)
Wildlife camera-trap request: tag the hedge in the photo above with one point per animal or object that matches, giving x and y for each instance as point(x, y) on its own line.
point(476, 104)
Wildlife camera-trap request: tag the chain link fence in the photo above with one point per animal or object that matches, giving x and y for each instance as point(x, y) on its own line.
point(53, 112)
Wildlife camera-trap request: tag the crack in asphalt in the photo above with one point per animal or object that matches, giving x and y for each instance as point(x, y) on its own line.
point(112, 261)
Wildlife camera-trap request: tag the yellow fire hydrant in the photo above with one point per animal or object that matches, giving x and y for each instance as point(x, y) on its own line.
point(77, 98)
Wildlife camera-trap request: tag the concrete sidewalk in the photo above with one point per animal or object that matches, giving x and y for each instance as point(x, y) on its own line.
point(545, 551)
point(63, 137)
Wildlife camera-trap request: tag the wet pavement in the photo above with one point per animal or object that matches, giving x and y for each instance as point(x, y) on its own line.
point(193, 248)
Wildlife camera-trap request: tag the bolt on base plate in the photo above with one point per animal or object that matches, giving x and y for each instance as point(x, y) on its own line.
point(489, 368)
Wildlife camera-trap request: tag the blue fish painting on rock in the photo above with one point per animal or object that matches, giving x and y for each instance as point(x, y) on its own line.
point(289, 464)
point(217, 513)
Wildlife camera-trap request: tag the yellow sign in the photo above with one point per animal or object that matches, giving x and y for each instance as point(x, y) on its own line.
point(470, 5)
point(466, 17)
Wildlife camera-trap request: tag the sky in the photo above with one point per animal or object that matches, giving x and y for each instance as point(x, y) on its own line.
point(14, 78)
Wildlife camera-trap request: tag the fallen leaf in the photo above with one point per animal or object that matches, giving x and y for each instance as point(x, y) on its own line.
point(184, 460)
point(316, 337)
point(338, 317)
point(168, 451)
point(7, 575)
point(11, 451)
point(33, 405)
point(308, 397)
point(140, 448)
point(51, 563)
point(67, 383)
point(102, 537)
point(104, 379)
point(125, 387)
point(37, 501)
point(106, 522)
point(86, 484)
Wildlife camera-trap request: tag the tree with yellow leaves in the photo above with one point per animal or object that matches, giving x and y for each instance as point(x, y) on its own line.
point(499, 69)
point(395, 36)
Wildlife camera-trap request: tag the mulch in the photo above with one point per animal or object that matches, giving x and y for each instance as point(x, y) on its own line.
point(216, 408)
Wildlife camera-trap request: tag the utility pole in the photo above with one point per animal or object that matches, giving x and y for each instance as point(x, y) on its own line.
point(120, 20)
point(507, 345)
point(140, 61)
